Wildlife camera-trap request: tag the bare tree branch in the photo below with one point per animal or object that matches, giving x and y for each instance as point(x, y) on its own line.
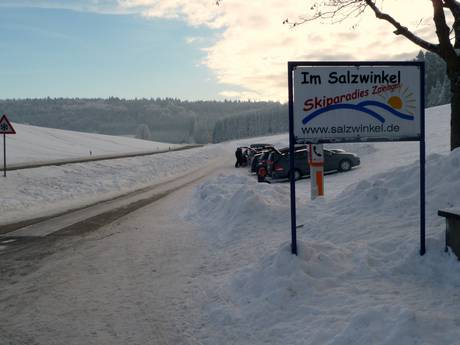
point(454, 7)
point(442, 30)
point(339, 10)
point(402, 30)
point(335, 10)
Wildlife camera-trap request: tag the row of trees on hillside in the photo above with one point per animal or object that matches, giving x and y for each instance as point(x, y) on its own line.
point(437, 84)
point(168, 120)
point(274, 120)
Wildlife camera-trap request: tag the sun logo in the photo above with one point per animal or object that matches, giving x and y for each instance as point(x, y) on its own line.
point(401, 99)
point(395, 102)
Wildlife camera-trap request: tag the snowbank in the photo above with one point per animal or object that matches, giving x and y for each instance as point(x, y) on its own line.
point(358, 278)
point(234, 207)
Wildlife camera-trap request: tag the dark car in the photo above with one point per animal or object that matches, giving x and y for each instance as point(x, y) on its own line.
point(261, 165)
point(276, 154)
point(260, 146)
point(254, 162)
point(253, 151)
point(334, 160)
point(260, 158)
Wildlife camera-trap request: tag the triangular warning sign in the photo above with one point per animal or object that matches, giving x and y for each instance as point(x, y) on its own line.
point(5, 126)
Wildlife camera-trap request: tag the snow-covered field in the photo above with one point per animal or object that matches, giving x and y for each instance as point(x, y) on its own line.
point(358, 278)
point(49, 190)
point(33, 144)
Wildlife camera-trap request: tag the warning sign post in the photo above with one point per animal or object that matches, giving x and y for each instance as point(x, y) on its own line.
point(5, 128)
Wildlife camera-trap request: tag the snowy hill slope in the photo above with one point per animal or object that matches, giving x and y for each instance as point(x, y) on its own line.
point(34, 144)
point(43, 191)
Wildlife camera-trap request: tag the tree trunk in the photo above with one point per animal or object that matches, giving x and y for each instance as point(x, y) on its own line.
point(455, 114)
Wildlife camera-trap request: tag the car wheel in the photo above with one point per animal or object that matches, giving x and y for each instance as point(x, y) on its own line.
point(344, 165)
point(261, 173)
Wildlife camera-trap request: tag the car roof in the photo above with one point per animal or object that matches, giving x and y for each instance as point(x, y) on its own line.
point(260, 145)
point(298, 147)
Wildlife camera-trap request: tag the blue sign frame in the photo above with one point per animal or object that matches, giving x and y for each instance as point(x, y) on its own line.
point(293, 140)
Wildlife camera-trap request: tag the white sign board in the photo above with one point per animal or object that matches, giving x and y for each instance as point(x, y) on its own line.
point(316, 154)
point(353, 103)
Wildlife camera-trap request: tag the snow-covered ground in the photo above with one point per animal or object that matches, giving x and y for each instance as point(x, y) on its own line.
point(33, 144)
point(358, 278)
point(49, 190)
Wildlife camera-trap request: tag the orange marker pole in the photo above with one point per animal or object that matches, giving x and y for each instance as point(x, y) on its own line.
point(320, 182)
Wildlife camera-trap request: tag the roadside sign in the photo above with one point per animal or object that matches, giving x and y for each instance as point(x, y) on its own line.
point(356, 103)
point(316, 154)
point(5, 126)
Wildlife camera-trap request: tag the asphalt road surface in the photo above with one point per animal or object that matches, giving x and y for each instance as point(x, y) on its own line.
point(129, 275)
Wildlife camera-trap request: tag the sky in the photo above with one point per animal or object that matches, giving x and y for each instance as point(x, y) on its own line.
point(192, 50)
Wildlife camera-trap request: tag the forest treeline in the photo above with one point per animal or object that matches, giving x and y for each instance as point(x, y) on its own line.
point(437, 84)
point(168, 120)
point(176, 121)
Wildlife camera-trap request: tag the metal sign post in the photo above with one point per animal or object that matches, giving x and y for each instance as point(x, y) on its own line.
point(5, 128)
point(4, 155)
point(357, 101)
point(291, 164)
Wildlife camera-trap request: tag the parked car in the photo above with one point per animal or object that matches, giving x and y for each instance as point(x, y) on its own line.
point(261, 165)
point(254, 162)
point(260, 146)
point(276, 154)
point(334, 160)
point(253, 150)
point(260, 157)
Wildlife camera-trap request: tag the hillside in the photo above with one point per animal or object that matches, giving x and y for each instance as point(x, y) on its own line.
point(33, 144)
point(168, 120)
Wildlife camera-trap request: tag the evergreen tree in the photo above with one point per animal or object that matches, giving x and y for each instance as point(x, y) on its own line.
point(143, 132)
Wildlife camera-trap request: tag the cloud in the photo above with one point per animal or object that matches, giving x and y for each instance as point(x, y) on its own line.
point(253, 47)
point(97, 6)
point(195, 40)
point(196, 12)
point(252, 52)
